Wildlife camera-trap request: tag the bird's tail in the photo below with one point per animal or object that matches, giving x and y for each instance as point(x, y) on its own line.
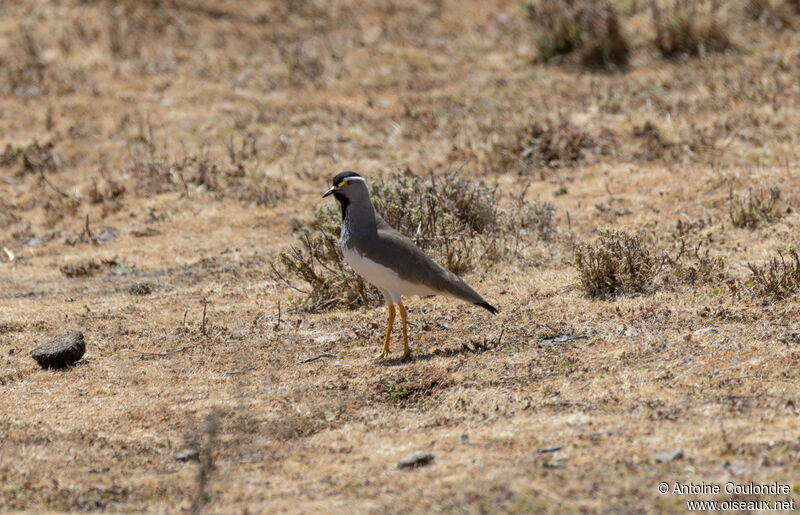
point(488, 307)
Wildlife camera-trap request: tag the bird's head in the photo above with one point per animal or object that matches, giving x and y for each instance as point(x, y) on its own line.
point(348, 188)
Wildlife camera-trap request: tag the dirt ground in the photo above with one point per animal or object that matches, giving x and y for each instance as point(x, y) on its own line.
point(178, 146)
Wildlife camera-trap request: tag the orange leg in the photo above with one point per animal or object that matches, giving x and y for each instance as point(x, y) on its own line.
point(406, 349)
point(388, 332)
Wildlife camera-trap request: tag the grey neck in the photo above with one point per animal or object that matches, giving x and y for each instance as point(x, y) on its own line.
point(359, 222)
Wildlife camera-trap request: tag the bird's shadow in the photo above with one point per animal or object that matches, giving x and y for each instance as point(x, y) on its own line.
point(437, 353)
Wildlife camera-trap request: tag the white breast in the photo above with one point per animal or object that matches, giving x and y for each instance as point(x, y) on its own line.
point(382, 277)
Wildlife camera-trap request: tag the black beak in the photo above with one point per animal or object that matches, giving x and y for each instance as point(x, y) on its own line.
point(329, 192)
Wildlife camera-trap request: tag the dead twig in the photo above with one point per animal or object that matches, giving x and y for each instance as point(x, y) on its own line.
point(315, 358)
point(564, 338)
point(205, 303)
point(164, 354)
point(239, 372)
point(89, 236)
point(485, 345)
point(52, 186)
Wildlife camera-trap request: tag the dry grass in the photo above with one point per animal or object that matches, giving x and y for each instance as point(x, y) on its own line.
point(187, 142)
point(33, 158)
point(754, 207)
point(586, 28)
point(696, 266)
point(779, 14)
point(621, 262)
point(691, 28)
point(777, 278)
point(554, 145)
point(618, 262)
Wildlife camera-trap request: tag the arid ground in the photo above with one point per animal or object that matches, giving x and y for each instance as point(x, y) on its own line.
point(158, 156)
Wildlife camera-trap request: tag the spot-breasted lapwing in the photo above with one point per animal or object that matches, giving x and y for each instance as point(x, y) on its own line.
point(389, 260)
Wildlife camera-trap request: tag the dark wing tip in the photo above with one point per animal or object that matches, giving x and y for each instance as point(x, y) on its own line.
point(488, 307)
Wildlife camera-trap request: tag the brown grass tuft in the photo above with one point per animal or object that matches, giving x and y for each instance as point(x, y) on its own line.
point(86, 268)
point(779, 14)
point(778, 278)
point(241, 177)
point(689, 27)
point(694, 266)
point(554, 144)
point(90, 267)
point(756, 207)
point(617, 263)
point(588, 30)
point(33, 158)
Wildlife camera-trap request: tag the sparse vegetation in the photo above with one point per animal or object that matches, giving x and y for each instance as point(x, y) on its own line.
point(774, 13)
point(754, 208)
point(240, 177)
point(696, 266)
point(33, 158)
point(588, 32)
point(777, 278)
point(586, 28)
point(90, 267)
point(690, 27)
point(618, 262)
point(554, 144)
point(621, 262)
point(654, 146)
point(81, 269)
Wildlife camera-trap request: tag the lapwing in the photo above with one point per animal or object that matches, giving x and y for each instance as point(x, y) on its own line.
point(389, 260)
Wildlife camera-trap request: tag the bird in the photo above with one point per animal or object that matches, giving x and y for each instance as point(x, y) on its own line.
point(387, 259)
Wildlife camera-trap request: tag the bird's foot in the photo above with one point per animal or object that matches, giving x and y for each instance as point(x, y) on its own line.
point(382, 355)
point(406, 356)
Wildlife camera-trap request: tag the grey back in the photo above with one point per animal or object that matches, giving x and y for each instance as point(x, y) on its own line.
point(365, 231)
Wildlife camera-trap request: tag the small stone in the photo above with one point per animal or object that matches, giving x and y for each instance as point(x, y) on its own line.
point(667, 456)
point(418, 459)
point(141, 289)
point(61, 352)
point(551, 448)
point(554, 464)
point(187, 455)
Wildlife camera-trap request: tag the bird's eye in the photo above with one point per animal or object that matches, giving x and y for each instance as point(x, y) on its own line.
point(347, 182)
